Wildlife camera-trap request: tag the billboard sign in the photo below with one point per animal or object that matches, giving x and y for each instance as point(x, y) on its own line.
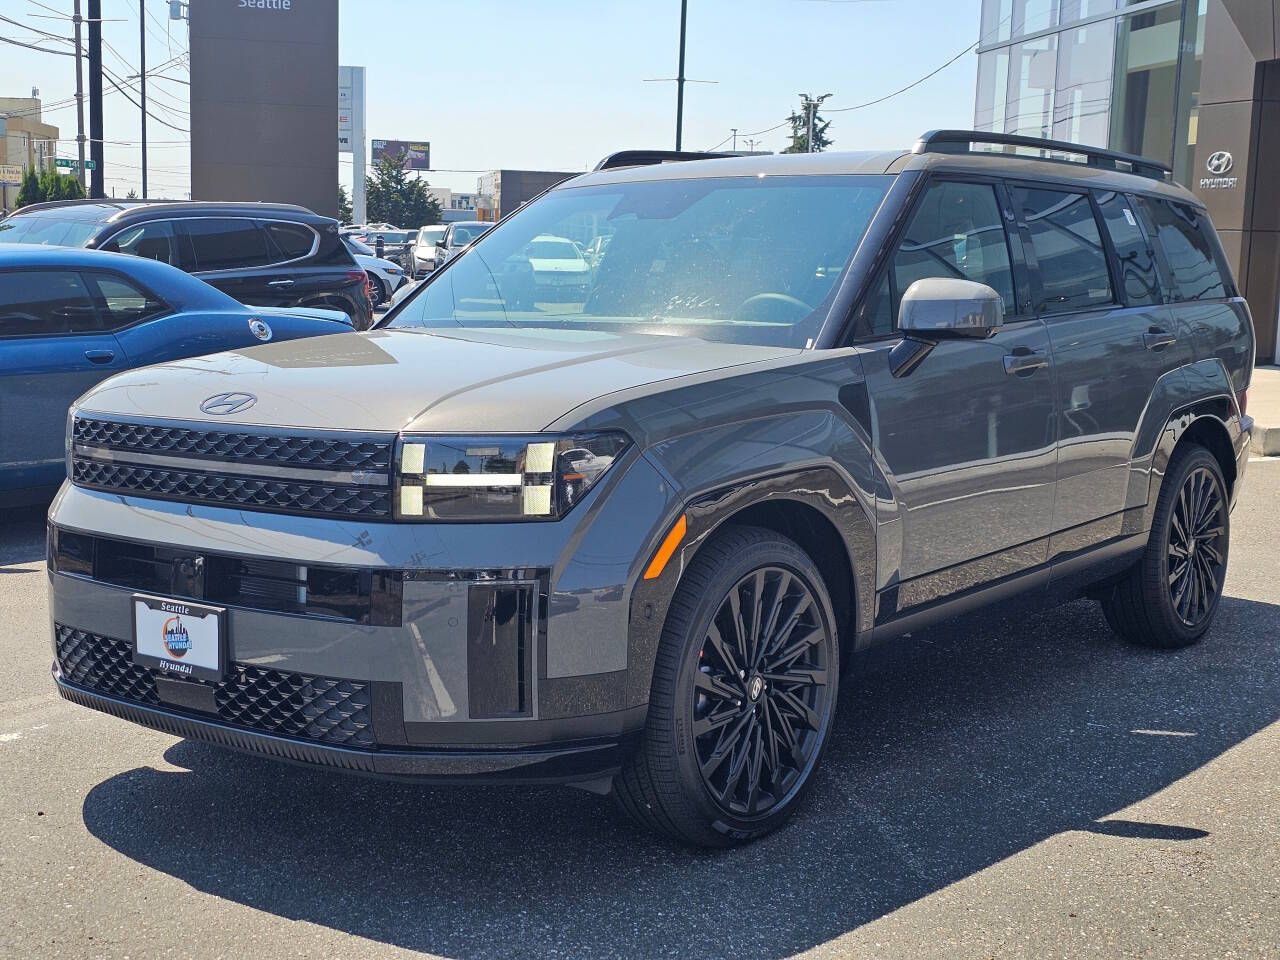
point(417, 153)
point(10, 174)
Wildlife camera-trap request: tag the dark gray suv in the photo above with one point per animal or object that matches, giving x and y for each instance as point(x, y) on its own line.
point(630, 541)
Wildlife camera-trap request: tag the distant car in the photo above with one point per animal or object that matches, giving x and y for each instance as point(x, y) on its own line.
point(385, 277)
point(424, 252)
point(396, 243)
point(559, 270)
point(458, 235)
point(70, 318)
point(266, 254)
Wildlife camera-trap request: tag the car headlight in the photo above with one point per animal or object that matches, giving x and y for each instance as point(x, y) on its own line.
point(499, 478)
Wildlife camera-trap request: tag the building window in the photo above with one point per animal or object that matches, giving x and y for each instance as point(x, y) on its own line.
point(1032, 77)
point(993, 90)
point(1081, 106)
point(1189, 89)
point(1145, 86)
point(1076, 10)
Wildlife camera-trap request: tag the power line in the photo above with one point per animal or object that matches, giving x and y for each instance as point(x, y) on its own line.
point(32, 46)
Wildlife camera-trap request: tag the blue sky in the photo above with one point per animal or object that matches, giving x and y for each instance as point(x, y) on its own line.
point(556, 84)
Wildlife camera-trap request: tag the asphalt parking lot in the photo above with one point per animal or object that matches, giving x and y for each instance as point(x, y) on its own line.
point(998, 788)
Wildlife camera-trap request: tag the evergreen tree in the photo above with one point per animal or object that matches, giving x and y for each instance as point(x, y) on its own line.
point(800, 131)
point(31, 190)
point(344, 205)
point(391, 196)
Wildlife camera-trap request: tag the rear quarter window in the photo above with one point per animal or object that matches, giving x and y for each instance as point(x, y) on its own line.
point(1139, 277)
point(1183, 235)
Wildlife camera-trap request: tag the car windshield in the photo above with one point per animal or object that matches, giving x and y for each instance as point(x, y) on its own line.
point(741, 259)
point(429, 235)
point(49, 231)
point(552, 250)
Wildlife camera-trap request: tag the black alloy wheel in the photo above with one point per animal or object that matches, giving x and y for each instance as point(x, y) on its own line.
point(377, 291)
point(1197, 557)
point(1171, 594)
point(759, 694)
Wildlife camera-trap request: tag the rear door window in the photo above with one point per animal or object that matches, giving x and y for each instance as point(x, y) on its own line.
point(1139, 278)
point(122, 303)
point(1182, 233)
point(36, 303)
point(227, 243)
point(1068, 248)
point(292, 241)
point(151, 241)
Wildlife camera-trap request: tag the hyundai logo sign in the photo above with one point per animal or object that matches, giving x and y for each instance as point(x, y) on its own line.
point(1219, 163)
point(225, 404)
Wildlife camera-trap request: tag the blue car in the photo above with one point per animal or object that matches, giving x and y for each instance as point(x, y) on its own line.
point(71, 317)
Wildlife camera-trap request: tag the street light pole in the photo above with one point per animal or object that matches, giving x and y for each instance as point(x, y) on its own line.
point(684, 10)
point(142, 74)
point(76, 19)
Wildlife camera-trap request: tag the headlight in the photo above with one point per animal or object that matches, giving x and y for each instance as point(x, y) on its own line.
point(499, 478)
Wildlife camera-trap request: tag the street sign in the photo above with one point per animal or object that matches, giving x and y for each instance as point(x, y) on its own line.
point(90, 164)
point(65, 162)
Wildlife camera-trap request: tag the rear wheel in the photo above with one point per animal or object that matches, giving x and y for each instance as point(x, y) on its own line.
point(1171, 595)
point(377, 290)
point(743, 694)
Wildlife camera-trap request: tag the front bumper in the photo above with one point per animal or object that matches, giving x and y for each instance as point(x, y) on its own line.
point(563, 763)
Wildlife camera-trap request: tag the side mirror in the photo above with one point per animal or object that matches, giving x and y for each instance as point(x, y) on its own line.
point(942, 306)
point(440, 243)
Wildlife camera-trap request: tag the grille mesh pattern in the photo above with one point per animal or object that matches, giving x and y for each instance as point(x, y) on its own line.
point(271, 701)
point(274, 495)
point(280, 451)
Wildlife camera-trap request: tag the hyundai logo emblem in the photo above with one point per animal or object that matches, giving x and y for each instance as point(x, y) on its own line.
point(1219, 163)
point(225, 404)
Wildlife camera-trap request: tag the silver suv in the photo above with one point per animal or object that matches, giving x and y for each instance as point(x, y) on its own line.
point(631, 541)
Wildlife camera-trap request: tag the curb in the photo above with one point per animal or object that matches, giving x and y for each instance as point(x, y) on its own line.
point(1265, 441)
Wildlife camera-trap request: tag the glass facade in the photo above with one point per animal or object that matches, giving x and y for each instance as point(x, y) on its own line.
point(1123, 74)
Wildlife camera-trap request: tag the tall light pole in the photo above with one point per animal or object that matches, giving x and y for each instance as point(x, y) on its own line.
point(79, 92)
point(142, 74)
point(684, 10)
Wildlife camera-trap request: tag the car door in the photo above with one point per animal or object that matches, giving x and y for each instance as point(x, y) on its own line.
point(235, 255)
point(965, 428)
point(54, 348)
point(1112, 343)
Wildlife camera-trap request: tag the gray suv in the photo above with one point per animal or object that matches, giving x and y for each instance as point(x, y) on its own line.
point(631, 542)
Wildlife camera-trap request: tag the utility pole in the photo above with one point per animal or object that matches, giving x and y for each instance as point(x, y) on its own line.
point(142, 76)
point(95, 98)
point(751, 145)
point(735, 139)
point(76, 18)
point(811, 107)
point(684, 10)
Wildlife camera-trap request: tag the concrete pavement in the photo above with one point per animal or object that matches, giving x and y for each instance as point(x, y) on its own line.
point(1264, 407)
point(1016, 787)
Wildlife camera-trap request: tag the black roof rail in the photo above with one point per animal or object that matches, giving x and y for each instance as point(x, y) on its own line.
point(961, 141)
point(644, 158)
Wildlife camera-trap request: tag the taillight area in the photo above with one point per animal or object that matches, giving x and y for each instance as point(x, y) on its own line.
point(1242, 398)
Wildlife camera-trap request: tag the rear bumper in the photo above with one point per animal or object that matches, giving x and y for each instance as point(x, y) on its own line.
point(560, 763)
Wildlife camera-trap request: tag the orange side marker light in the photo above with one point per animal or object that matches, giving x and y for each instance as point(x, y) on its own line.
point(669, 544)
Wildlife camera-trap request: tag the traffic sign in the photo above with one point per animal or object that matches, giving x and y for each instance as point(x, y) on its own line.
point(91, 164)
point(66, 162)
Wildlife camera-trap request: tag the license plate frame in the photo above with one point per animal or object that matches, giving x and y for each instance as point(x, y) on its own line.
point(159, 649)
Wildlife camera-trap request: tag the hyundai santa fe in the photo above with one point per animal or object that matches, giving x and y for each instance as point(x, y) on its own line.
point(631, 540)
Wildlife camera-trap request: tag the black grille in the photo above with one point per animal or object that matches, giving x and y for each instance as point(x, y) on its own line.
point(322, 709)
point(316, 453)
point(280, 496)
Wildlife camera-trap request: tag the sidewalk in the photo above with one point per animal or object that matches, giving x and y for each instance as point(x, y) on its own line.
point(1264, 407)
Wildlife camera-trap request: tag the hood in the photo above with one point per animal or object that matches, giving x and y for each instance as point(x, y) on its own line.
point(464, 381)
point(315, 313)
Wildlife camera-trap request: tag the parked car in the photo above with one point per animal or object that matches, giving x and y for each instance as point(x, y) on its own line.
point(424, 253)
point(457, 235)
point(394, 244)
point(71, 318)
point(262, 254)
point(824, 399)
point(560, 272)
point(385, 277)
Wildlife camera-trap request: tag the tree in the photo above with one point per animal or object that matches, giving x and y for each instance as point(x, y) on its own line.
point(30, 191)
point(344, 205)
point(131, 195)
point(800, 129)
point(48, 185)
point(392, 197)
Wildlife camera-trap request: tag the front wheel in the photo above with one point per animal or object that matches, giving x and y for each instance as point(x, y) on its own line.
point(377, 290)
point(743, 694)
point(1171, 595)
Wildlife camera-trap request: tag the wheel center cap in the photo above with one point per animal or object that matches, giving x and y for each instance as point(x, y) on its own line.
point(755, 688)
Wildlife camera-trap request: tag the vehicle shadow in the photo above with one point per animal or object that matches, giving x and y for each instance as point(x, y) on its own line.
point(968, 746)
point(22, 535)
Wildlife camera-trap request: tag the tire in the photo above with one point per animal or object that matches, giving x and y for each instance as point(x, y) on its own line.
point(678, 781)
point(378, 289)
point(1170, 596)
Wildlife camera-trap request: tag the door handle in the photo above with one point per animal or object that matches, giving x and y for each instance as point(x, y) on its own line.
point(1025, 361)
point(1157, 339)
point(99, 356)
point(280, 283)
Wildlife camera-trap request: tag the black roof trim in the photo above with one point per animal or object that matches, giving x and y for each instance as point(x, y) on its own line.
point(961, 141)
point(645, 158)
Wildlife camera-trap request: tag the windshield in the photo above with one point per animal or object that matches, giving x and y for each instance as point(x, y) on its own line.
point(742, 259)
point(50, 231)
point(427, 236)
point(464, 235)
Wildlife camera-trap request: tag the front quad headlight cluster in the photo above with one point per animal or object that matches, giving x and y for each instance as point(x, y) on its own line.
point(499, 478)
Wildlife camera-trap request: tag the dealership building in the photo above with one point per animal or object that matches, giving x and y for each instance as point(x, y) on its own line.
point(1179, 81)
